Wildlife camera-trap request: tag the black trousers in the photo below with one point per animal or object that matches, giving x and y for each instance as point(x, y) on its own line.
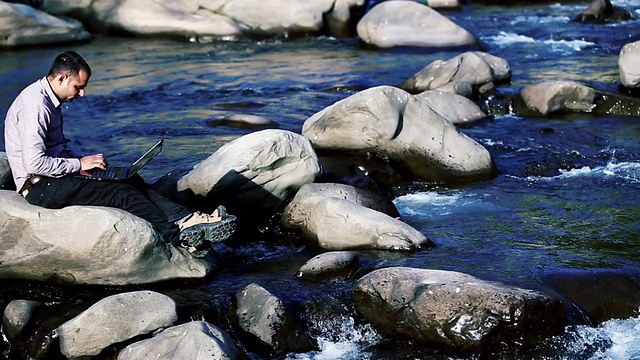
point(133, 195)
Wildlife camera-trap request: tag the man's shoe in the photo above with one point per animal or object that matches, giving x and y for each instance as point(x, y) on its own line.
point(200, 228)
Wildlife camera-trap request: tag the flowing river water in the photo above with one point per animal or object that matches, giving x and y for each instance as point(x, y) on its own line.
point(565, 200)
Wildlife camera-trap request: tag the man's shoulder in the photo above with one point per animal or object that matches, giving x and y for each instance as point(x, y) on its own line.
point(33, 95)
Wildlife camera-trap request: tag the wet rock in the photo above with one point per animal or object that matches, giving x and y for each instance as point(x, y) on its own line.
point(208, 20)
point(602, 294)
point(16, 317)
point(93, 245)
point(418, 142)
point(244, 121)
point(192, 340)
point(444, 4)
point(554, 96)
point(115, 319)
point(455, 108)
point(474, 67)
point(457, 312)
point(267, 322)
point(329, 265)
point(23, 25)
point(629, 65)
point(607, 104)
point(6, 179)
point(601, 11)
point(408, 23)
point(337, 224)
point(254, 174)
point(299, 208)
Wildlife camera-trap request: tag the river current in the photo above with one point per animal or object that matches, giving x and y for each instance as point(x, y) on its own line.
point(566, 197)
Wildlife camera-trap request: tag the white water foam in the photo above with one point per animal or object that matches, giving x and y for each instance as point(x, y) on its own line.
point(577, 45)
point(341, 338)
point(629, 171)
point(539, 19)
point(617, 339)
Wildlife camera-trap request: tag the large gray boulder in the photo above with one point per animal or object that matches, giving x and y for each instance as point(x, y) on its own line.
point(417, 141)
point(474, 67)
point(629, 65)
point(455, 311)
point(205, 19)
point(253, 174)
point(408, 23)
point(265, 320)
point(560, 95)
point(602, 11)
point(193, 340)
point(299, 208)
point(86, 245)
point(22, 25)
point(17, 316)
point(338, 224)
point(115, 319)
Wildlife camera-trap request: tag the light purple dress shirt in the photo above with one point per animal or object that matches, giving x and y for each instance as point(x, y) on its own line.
point(34, 137)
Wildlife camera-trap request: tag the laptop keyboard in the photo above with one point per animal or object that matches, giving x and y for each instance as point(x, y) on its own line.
point(112, 172)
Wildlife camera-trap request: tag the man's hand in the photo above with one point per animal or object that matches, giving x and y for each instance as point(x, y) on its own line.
point(93, 161)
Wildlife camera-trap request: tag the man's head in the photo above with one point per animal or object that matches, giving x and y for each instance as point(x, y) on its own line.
point(69, 75)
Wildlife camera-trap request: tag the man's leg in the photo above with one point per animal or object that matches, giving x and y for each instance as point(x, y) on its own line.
point(56, 193)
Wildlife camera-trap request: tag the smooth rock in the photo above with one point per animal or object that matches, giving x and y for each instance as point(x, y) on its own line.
point(114, 319)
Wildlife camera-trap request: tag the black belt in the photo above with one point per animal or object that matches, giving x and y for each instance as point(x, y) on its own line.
point(24, 191)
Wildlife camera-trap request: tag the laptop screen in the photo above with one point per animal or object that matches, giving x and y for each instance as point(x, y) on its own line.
point(144, 159)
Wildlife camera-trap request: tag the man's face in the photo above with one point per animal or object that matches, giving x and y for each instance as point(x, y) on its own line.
point(70, 87)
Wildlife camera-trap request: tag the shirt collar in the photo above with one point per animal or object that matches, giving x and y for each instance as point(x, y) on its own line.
point(47, 88)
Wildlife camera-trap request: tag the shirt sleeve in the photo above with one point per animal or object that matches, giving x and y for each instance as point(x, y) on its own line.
point(34, 123)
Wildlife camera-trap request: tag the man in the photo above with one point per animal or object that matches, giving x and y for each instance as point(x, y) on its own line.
point(43, 164)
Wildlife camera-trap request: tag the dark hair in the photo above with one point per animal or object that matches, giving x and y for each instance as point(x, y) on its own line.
point(69, 61)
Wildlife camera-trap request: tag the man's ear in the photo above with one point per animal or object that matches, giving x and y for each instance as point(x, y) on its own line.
point(62, 77)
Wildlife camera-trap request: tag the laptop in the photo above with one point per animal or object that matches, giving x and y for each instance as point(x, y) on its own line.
point(120, 173)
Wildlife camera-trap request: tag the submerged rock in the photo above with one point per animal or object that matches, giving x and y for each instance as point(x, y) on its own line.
point(328, 265)
point(457, 312)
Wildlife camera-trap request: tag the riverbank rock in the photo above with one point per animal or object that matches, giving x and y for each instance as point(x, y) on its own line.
point(6, 178)
point(268, 323)
point(244, 121)
point(553, 96)
point(115, 319)
point(456, 312)
point(193, 340)
point(17, 316)
point(456, 109)
point(86, 245)
point(629, 65)
point(22, 25)
point(444, 4)
point(300, 207)
point(337, 224)
point(204, 20)
point(474, 67)
point(329, 265)
point(408, 23)
point(254, 174)
point(601, 11)
point(418, 142)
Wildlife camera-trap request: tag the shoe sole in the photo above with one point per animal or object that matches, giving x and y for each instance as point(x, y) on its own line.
point(212, 232)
